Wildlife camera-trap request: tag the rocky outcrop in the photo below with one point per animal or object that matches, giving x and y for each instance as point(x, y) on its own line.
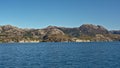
point(53, 34)
point(51, 30)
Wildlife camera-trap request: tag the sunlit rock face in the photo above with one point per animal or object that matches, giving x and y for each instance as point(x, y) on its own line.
point(53, 34)
point(53, 30)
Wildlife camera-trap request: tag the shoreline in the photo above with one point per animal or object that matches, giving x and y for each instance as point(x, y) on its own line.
point(59, 42)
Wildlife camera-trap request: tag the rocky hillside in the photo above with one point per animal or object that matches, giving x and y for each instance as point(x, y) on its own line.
point(89, 29)
point(89, 32)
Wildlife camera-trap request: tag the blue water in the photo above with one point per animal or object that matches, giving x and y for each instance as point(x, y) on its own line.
point(60, 55)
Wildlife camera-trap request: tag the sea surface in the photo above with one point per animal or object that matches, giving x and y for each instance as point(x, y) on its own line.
point(60, 55)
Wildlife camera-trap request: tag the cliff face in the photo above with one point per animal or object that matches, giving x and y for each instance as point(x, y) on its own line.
point(90, 32)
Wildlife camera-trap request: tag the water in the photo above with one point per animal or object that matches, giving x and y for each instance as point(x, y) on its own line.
point(60, 55)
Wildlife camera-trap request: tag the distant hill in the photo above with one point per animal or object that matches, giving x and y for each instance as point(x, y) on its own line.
point(84, 32)
point(115, 31)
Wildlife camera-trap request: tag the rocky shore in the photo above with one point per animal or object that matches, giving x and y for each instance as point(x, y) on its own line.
point(84, 33)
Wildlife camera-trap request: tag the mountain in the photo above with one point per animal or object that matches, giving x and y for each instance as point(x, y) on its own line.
point(89, 32)
point(90, 29)
point(85, 32)
point(85, 29)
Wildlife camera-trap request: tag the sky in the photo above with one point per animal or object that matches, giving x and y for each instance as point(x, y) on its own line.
point(65, 13)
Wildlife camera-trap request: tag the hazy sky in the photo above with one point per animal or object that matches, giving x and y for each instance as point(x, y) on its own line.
point(68, 13)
